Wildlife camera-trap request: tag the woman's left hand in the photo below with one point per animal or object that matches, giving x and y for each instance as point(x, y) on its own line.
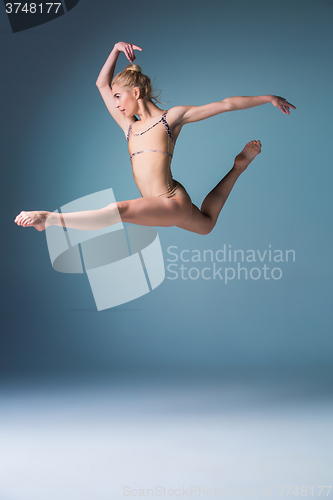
point(283, 104)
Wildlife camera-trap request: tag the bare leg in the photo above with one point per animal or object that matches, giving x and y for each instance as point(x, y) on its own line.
point(148, 211)
point(202, 221)
point(151, 211)
point(89, 220)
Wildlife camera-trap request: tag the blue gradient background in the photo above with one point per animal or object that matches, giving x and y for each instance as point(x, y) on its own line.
point(59, 143)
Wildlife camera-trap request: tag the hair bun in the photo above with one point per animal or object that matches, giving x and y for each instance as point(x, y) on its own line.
point(133, 67)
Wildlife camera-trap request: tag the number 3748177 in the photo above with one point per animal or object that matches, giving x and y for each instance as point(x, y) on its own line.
point(303, 490)
point(32, 8)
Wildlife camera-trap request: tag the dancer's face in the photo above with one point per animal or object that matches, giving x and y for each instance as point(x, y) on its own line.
point(126, 100)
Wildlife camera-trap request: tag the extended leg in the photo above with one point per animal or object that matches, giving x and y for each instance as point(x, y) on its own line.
point(202, 221)
point(149, 211)
point(88, 219)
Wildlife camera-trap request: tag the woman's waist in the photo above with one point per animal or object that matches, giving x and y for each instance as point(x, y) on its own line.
point(151, 167)
point(170, 190)
point(155, 185)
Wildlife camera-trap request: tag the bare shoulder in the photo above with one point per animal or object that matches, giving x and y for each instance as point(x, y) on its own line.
point(176, 114)
point(175, 119)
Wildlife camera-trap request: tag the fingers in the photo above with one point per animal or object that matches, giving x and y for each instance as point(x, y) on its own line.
point(127, 53)
point(285, 105)
point(285, 110)
point(128, 50)
point(289, 105)
point(131, 51)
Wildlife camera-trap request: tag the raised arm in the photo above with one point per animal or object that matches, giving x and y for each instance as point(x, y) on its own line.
point(106, 75)
point(189, 114)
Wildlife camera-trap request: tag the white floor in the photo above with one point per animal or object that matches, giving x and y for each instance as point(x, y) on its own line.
point(108, 441)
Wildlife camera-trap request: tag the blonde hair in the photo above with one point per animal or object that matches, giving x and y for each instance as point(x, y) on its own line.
point(131, 77)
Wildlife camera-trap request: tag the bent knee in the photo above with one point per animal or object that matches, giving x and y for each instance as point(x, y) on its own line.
point(204, 232)
point(207, 228)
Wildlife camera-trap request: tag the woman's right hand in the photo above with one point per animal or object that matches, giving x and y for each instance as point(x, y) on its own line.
point(128, 49)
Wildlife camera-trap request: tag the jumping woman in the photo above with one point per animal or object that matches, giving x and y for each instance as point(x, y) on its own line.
point(151, 140)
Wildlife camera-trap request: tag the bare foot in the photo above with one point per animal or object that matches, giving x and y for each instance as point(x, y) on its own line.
point(250, 151)
point(32, 219)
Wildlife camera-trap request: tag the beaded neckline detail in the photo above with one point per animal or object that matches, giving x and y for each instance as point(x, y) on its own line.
point(162, 119)
point(140, 133)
